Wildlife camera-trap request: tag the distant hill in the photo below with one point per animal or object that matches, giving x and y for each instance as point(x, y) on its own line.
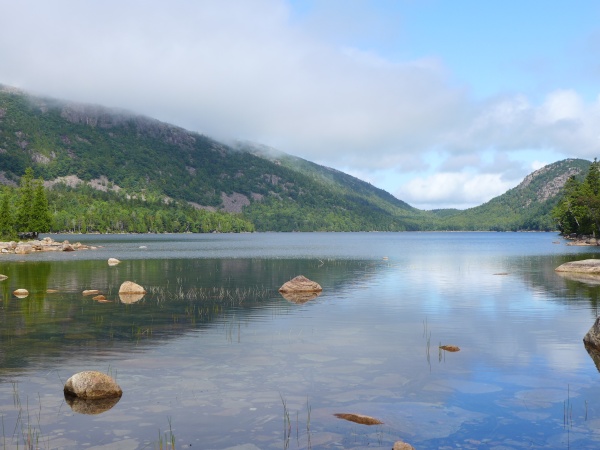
point(528, 206)
point(94, 158)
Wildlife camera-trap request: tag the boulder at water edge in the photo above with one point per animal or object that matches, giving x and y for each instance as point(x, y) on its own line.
point(129, 287)
point(92, 385)
point(592, 338)
point(300, 284)
point(591, 266)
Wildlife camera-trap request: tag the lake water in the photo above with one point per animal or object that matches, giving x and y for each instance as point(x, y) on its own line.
point(213, 357)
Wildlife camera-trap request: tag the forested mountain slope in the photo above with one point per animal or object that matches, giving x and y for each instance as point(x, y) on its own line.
point(111, 170)
point(528, 206)
point(142, 158)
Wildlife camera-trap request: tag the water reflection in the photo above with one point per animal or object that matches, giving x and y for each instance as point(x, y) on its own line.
point(89, 406)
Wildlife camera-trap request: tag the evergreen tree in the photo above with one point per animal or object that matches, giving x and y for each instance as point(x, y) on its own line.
point(7, 226)
point(24, 217)
point(41, 220)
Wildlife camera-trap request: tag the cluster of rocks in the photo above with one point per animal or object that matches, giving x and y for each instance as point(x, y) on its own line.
point(582, 240)
point(44, 245)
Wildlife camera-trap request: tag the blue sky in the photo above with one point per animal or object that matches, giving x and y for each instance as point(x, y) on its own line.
point(441, 103)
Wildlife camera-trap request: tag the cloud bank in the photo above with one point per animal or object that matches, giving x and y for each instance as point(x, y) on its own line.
point(250, 70)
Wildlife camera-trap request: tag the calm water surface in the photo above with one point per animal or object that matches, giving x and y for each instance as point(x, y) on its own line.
point(213, 357)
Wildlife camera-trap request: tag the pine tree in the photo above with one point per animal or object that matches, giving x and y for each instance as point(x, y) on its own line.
point(7, 226)
point(24, 217)
point(41, 221)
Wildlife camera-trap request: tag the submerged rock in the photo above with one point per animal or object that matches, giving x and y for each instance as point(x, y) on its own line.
point(450, 348)
point(92, 385)
point(300, 284)
point(359, 418)
point(590, 266)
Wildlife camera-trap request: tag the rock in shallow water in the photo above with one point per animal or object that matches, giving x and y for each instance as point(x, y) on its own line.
point(92, 385)
point(583, 266)
point(300, 284)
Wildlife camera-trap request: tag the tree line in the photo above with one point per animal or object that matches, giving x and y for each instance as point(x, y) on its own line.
point(578, 212)
point(31, 209)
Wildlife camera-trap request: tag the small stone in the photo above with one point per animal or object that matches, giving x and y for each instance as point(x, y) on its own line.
point(21, 293)
point(91, 292)
point(450, 348)
point(99, 297)
point(359, 418)
point(399, 445)
point(92, 385)
point(3, 277)
point(113, 261)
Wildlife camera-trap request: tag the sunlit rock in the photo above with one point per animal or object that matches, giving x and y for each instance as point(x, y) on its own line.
point(113, 261)
point(359, 418)
point(91, 292)
point(23, 249)
point(300, 297)
point(3, 277)
point(92, 385)
point(66, 247)
point(450, 348)
point(584, 266)
point(90, 406)
point(129, 287)
point(21, 293)
point(300, 284)
point(399, 445)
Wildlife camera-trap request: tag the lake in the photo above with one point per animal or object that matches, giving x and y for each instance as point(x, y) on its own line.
point(213, 357)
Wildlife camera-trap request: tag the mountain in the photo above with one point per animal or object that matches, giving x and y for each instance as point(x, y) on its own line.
point(527, 206)
point(112, 170)
point(129, 155)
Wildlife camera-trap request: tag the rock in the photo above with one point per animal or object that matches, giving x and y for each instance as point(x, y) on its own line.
point(91, 292)
point(399, 445)
point(129, 287)
point(21, 293)
point(359, 418)
point(99, 297)
point(92, 385)
point(591, 266)
point(300, 284)
point(23, 249)
point(300, 297)
point(67, 248)
point(450, 348)
point(51, 291)
point(3, 277)
point(113, 261)
point(592, 338)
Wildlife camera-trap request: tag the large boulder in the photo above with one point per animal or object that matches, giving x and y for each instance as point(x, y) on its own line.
point(92, 385)
point(129, 287)
point(592, 338)
point(590, 266)
point(300, 284)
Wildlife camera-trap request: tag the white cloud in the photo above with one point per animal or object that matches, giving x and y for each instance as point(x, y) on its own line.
point(249, 70)
point(453, 190)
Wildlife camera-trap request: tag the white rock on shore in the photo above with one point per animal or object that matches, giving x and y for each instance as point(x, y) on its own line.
point(44, 245)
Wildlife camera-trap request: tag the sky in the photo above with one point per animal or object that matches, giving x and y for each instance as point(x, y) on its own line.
point(442, 103)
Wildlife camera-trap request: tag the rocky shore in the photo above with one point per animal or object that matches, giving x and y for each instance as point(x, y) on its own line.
point(582, 240)
point(44, 245)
